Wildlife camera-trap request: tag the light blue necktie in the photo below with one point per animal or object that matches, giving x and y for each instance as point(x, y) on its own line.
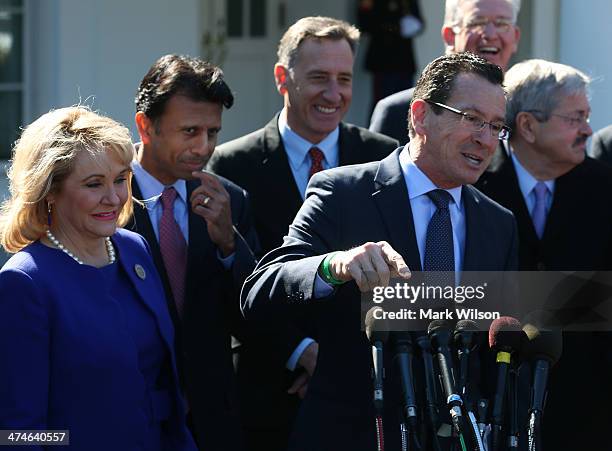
point(538, 215)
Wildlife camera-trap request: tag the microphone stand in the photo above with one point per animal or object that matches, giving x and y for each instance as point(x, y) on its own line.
point(430, 389)
point(513, 428)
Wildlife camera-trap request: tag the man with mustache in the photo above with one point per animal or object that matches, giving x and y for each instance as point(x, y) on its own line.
point(484, 27)
point(200, 233)
point(561, 200)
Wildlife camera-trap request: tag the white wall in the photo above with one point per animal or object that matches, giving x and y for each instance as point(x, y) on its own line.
point(585, 43)
point(98, 51)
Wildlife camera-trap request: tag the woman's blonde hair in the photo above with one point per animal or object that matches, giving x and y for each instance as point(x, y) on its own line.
point(44, 156)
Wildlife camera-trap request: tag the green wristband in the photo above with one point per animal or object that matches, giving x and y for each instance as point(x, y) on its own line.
point(326, 273)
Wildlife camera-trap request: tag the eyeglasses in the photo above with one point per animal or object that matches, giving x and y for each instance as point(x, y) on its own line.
point(475, 123)
point(573, 121)
point(480, 24)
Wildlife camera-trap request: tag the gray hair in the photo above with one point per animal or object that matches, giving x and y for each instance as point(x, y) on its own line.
point(316, 27)
point(538, 85)
point(452, 14)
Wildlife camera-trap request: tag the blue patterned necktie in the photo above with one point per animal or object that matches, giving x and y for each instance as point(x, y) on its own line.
point(439, 250)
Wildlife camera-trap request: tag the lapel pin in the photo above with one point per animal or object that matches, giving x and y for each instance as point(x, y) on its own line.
point(140, 272)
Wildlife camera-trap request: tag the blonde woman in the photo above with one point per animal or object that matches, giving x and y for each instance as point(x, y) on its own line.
point(86, 343)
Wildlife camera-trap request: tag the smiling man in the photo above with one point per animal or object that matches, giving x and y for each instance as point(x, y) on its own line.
point(561, 200)
point(314, 75)
point(363, 224)
point(484, 27)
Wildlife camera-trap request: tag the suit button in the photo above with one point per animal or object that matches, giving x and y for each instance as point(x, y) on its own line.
point(541, 266)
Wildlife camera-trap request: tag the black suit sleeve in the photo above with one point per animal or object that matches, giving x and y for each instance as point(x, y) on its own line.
point(247, 243)
point(601, 148)
point(280, 336)
point(284, 279)
point(390, 116)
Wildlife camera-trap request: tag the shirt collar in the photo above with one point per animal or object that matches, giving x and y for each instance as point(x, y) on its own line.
point(150, 187)
point(297, 147)
point(418, 183)
point(527, 181)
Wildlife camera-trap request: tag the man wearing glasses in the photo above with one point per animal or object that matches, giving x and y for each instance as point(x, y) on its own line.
point(484, 27)
point(562, 203)
point(383, 213)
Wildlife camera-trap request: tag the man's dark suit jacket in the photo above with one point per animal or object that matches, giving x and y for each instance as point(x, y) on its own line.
point(258, 162)
point(211, 314)
point(577, 237)
point(390, 116)
point(601, 145)
point(346, 207)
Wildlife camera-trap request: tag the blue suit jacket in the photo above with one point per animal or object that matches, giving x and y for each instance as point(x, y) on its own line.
point(68, 361)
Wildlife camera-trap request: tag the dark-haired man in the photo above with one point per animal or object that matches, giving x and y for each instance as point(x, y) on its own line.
point(200, 233)
point(386, 213)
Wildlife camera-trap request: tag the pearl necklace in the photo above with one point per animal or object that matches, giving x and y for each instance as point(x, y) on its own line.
point(109, 248)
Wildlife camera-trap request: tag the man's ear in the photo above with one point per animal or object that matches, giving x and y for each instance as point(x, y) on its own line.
point(527, 126)
point(281, 73)
point(418, 115)
point(145, 127)
point(448, 36)
point(517, 37)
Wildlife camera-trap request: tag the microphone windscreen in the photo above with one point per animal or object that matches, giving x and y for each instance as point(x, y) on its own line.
point(377, 329)
point(505, 333)
point(543, 344)
point(466, 325)
point(437, 326)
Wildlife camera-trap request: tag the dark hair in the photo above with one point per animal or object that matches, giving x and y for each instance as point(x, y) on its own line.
point(173, 75)
point(437, 80)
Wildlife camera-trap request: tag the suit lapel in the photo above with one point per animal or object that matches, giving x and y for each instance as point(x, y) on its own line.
point(351, 151)
point(142, 225)
point(474, 219)
point(129, 261)
point(504, 188)
point(568, 189)
point(199, 247)
point(276, 170)
point(393, 203)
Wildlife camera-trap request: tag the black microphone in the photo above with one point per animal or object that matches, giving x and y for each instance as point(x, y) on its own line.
point(505, 337)
point(440, 333)
point(467, 340)
point(403, 358)
point(430, 388)
point(543, 350)
point(377, 330)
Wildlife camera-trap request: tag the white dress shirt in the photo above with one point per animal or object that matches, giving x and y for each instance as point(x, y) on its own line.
point(297, 149)
point(527, 183)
